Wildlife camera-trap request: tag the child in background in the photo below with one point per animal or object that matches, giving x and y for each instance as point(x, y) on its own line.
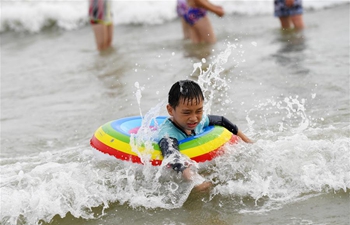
point(185, 106)
point(290, 13)
point(196, 16)
point(101, 21)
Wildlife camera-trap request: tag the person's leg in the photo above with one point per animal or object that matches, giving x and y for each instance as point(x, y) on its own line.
point(109, 31)
point(285, 22)
point(100, 37)
point(185, 28)
point(298, 22)
point(204, 31)
point(194, 36)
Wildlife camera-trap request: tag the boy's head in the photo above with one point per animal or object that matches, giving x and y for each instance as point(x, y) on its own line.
point(185, 104)
point(185, 90)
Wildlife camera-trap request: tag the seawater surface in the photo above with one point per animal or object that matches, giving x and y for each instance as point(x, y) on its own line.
point(288, 91)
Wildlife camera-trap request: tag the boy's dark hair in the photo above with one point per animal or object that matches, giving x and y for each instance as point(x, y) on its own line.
point(187, 90)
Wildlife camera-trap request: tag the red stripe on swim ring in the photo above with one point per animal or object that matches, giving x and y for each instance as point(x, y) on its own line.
point(98, 145)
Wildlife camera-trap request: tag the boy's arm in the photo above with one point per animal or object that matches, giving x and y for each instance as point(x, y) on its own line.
point(170, 146)
point(222, 121)
point(218, 10)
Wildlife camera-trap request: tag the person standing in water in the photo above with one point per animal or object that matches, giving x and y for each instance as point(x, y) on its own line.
point(185, 107)
point(101, 21)
point(290, 13)
point(201, 30)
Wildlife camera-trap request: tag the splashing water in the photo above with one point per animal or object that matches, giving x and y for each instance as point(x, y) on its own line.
point(146, 134)
point(288, 114)
point(138, 95)
point(210, 79)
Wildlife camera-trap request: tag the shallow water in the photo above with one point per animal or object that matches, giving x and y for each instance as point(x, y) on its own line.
point(287, 91)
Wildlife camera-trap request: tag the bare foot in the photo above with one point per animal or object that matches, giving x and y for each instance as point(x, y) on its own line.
point(203, 186)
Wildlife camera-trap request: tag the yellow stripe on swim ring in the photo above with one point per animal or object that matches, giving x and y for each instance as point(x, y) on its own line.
point(124, 146)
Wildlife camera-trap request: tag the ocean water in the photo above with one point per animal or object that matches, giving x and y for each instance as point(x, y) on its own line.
point(288, 91)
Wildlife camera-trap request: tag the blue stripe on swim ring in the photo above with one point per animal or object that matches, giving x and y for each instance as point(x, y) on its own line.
point(124, 125)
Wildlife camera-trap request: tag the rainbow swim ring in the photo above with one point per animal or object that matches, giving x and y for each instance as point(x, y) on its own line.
point(113, 138)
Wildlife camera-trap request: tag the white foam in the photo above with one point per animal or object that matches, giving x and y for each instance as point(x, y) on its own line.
point(283, 171)
point(33, 16)
point(74, 181)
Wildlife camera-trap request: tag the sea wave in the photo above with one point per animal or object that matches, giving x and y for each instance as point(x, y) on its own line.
point(33, 16)
point(292, 159)
point(80, 182)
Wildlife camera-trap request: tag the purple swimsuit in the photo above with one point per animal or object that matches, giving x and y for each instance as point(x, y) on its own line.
point(194, 14)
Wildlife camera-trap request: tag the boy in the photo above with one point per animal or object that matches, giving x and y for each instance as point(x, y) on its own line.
point(185, 106)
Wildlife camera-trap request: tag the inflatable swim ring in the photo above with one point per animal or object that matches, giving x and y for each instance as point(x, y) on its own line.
point(113, 138)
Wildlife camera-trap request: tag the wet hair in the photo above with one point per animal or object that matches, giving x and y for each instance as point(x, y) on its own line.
point(185, 90)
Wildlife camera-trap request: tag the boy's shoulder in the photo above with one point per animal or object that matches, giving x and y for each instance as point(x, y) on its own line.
point(168, 129)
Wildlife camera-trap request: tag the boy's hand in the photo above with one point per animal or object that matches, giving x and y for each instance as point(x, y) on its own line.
point(243, 137)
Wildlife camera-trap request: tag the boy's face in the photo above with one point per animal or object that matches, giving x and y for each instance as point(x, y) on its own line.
point(187, 115)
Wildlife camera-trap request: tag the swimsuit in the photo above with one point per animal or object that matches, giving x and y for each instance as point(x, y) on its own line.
point(181, 7)
point(169, 128)
point(281, 10)
point(170, 134)
point(194, 14)
point(100, 12)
